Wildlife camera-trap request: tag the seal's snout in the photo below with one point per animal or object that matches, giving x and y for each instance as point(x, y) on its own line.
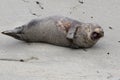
point(97, 34)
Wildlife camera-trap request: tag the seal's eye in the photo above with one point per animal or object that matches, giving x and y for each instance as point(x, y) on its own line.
point(95, 36)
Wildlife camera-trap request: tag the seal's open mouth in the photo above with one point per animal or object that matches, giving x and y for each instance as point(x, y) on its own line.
point(96, 36)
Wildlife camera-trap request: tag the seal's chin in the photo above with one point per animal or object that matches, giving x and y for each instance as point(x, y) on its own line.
point(96, 36)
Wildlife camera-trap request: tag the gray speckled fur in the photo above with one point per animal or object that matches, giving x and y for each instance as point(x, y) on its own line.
point(46, 30)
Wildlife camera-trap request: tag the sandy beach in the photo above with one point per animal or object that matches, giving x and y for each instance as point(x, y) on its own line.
point(40, 61)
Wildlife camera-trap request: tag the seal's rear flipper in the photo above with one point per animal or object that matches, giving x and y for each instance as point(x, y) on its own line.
point(16, 33)
point(12, 34)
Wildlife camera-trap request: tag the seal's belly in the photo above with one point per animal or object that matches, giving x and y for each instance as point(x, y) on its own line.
point(46, 31)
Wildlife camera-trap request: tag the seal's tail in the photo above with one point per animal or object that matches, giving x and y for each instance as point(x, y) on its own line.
point(13, 33)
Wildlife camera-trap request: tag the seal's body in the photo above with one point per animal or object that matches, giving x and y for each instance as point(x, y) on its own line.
point(58, 30)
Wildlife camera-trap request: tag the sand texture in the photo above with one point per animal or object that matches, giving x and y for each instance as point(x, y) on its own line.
point(40, 61)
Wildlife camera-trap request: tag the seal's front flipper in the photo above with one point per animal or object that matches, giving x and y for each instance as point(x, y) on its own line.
point(16, 33)
point(71, 32)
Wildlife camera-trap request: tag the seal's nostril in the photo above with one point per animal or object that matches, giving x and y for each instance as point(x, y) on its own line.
point(96, 36)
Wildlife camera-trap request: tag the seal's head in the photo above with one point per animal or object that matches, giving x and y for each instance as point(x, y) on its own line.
point(95, 32)
point(88, 34)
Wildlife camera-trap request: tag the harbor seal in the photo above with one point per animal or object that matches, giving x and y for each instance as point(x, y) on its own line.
point(58, 30)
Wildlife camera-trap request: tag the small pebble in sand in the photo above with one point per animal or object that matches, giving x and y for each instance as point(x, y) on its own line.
point(108, 53)
point(91, 16)
point(37, 2)
point(119, 41)
point(42, 8)
point(83, 12)
point(21, 60)
point(81, 1)
point(33, 13)
point(97, 71)
point(39, 5)
point(110, 27)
